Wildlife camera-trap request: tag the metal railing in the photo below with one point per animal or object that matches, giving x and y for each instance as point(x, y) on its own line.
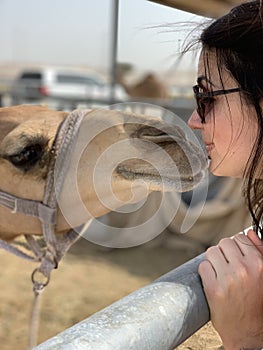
point(159, 316)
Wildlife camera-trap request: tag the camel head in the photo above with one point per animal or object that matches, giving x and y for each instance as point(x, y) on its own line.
point(118, 158)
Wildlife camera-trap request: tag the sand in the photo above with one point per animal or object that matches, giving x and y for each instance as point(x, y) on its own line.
point(88, 279)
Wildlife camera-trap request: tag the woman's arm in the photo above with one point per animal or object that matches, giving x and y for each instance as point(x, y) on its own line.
point(232, 278)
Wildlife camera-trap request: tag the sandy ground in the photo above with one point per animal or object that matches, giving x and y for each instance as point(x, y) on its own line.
point(88, 279)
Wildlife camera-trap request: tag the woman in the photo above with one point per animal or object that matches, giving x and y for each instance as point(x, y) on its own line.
point(229, 95)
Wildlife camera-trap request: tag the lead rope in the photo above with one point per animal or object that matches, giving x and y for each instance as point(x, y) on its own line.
point(64, 245)
point(34, 320)
point(61, 153)
point(38, 288)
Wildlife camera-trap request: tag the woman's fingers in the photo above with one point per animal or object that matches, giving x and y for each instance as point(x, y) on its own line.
point(238, 246)
point(255, 240)
point(229, 255)
point(230, 249)
point(231, 258)
point(206, 269)
point(232, 276)
point(218, 257)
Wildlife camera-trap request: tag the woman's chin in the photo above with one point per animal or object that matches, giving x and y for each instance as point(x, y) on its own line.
point(218, 169)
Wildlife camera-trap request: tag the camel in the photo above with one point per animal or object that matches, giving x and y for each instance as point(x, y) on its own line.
point(148, 87)
point(27, 133)
point(116, 158)
point(76, 166)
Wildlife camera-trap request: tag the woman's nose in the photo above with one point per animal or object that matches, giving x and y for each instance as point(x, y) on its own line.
point(194, 122)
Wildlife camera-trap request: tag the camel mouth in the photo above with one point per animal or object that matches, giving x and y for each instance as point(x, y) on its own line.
point(168, 160)
point(162, 182)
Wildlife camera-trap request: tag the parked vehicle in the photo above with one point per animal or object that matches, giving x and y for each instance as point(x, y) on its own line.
point(47, 85)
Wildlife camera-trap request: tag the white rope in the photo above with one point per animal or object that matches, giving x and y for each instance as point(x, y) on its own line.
point(38, 289)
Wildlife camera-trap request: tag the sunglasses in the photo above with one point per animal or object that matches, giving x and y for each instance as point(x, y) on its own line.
point(205, 100)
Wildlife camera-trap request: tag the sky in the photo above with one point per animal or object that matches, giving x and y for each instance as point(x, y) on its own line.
point(78, 32)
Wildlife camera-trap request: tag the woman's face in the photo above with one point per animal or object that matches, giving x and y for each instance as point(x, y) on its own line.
point(230, 126)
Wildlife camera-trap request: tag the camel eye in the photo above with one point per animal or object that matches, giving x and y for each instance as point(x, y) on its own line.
point(27, 157)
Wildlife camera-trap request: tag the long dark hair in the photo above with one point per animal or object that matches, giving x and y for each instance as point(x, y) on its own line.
point(237, 39)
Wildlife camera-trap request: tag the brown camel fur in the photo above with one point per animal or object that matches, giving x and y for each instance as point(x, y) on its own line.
point(26, 136)
point(148, 87)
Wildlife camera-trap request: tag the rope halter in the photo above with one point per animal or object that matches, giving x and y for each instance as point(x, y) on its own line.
point(46, 211)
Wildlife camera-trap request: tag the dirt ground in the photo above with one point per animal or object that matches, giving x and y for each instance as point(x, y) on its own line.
point(88, 279)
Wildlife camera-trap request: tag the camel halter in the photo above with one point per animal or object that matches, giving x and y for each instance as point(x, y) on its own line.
point(46, 211)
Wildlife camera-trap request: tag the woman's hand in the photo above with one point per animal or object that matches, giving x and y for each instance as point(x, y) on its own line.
point(232, 278)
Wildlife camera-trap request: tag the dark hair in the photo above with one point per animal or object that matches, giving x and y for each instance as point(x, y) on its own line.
point(237, 39)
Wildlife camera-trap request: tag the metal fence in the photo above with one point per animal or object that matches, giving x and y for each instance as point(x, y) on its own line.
point(159, 316)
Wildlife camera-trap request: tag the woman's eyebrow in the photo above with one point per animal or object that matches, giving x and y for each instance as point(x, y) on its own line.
point(203, 77)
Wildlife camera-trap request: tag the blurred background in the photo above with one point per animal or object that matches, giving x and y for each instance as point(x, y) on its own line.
point(75, 54)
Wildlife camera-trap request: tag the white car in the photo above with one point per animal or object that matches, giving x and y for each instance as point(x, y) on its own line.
point(47, 85)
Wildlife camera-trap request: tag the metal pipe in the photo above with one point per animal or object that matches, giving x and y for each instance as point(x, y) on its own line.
point(159, 316)
point(114, 47)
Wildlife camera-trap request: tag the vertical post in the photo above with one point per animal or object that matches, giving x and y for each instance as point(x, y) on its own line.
point(114, 46)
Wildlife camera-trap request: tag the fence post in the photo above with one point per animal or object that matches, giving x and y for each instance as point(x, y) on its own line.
point(159, 316)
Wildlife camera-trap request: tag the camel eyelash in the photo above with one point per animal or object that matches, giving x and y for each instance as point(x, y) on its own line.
point(31, 151)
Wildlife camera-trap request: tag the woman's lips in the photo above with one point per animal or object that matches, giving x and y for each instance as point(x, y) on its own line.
point(209, 147)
